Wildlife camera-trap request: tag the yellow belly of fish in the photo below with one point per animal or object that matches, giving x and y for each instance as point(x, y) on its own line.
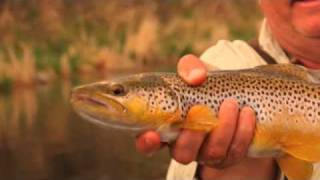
point(294, 151)
point(287, 134)
point(291, 140)
point(276, 141)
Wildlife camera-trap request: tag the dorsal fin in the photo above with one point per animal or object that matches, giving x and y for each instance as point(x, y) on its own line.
point(292, 71)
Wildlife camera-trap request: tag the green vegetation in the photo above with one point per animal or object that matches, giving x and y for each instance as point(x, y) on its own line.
point(44, 39)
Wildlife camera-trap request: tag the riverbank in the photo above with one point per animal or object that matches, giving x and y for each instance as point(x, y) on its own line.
point(43, 40)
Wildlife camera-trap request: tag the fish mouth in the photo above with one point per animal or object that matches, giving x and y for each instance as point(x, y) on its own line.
point(102, 110)
point(101, 101)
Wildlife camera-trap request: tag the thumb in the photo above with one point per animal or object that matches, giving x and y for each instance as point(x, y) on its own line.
point(192, 70)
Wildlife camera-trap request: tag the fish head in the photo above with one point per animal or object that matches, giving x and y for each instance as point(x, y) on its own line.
point(135, 102)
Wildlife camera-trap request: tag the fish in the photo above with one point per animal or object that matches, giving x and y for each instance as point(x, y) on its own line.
point(284, 97)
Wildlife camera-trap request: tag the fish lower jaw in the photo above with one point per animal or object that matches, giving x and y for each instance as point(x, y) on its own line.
point(101, 123)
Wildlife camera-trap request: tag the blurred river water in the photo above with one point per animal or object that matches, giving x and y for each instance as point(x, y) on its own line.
point(41, 138)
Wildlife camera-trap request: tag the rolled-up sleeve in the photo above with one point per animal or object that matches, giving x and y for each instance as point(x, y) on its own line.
point(228, 55)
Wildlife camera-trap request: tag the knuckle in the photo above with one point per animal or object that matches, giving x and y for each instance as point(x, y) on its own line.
point(248, 110)
point(183, 144)
point(220, 166)
point(215, 153)
point(220, 144)
point(236, 152)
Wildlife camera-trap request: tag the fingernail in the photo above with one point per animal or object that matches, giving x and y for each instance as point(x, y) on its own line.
point(195, 76)
point(248, 110)
point(196, 73)
point(231, 103)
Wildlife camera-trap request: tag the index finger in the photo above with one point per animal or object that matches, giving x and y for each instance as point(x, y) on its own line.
point(148, 142)
point(215, 151)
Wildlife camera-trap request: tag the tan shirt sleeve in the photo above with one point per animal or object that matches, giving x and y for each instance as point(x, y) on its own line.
point(228, 55)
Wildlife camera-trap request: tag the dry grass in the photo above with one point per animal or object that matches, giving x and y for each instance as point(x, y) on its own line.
point(42, 37)
point(21, 70)
point(65, 66)
point(142, 43)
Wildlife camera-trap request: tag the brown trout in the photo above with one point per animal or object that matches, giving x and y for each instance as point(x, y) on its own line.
point(285, 98)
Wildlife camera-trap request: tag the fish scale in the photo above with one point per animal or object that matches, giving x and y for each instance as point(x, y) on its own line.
point(285, 98)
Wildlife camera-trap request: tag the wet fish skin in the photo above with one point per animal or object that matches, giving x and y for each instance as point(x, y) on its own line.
point(286, 99)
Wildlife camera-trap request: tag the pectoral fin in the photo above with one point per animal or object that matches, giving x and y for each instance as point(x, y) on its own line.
point(295, 169)
point(200, 118)
point(295, 136)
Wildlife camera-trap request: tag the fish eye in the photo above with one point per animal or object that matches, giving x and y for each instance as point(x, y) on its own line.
point(118, 90)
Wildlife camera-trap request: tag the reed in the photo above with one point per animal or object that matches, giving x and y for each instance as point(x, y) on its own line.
point(28, 69)
point(93, 36)
point(21, 70)
point(65, 66)
point(142, 43)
